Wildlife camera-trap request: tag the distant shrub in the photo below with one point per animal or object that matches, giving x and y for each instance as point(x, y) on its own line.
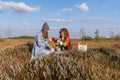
point(1, 40)
point(117, 37)
point(87, 38)
point(22, 37)
point(101, 38)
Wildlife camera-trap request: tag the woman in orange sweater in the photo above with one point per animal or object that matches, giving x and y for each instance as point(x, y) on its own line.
point(64, 42)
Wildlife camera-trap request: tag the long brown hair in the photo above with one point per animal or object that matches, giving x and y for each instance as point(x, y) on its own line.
point(65, 32)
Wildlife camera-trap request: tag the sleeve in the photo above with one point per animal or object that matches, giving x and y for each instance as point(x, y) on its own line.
point(67, 41)
point(40, 41)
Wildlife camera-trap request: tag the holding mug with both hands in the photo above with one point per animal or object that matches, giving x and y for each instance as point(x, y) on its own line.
point(63, 42)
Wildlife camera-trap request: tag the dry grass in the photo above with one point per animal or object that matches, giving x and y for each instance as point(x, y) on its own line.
point(100, 62)
point(94, 44)
point(13, 42)
point(91, 44)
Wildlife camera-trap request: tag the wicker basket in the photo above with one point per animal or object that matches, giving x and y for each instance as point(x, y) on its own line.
point(82, 47)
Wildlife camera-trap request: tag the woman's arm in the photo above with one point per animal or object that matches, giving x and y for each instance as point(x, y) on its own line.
point(67, 42)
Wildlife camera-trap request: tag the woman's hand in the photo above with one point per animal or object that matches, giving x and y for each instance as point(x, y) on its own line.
point(50, 39)
point(58, 41)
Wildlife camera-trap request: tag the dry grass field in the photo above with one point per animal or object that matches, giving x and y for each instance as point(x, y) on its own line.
point(94, 44)
point(13, 42)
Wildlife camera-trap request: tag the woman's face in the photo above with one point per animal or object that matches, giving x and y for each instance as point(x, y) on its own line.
point(62, 34)
point(45, 33)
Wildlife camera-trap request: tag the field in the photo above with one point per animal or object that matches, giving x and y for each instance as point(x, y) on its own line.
point(14, 42)
point(100, 62)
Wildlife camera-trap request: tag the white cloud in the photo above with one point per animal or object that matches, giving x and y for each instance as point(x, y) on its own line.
point(52, 19)
point(17, 7)
point(55, 28)
point(83, 7)
point(82, 20)
point(66, 9)
point(26, 24)
point(56, 20)
point(1, 8)
point(97, 20)
point(63, 10)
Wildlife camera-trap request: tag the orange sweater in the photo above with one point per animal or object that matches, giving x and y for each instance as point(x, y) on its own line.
point(68, 41)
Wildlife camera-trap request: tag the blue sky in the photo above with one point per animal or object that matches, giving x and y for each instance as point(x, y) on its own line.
point(25, 17)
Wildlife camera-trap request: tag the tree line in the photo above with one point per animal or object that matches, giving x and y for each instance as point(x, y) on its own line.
point(97, 36)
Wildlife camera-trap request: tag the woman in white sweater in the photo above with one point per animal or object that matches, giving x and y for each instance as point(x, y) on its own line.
point(41, 43)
